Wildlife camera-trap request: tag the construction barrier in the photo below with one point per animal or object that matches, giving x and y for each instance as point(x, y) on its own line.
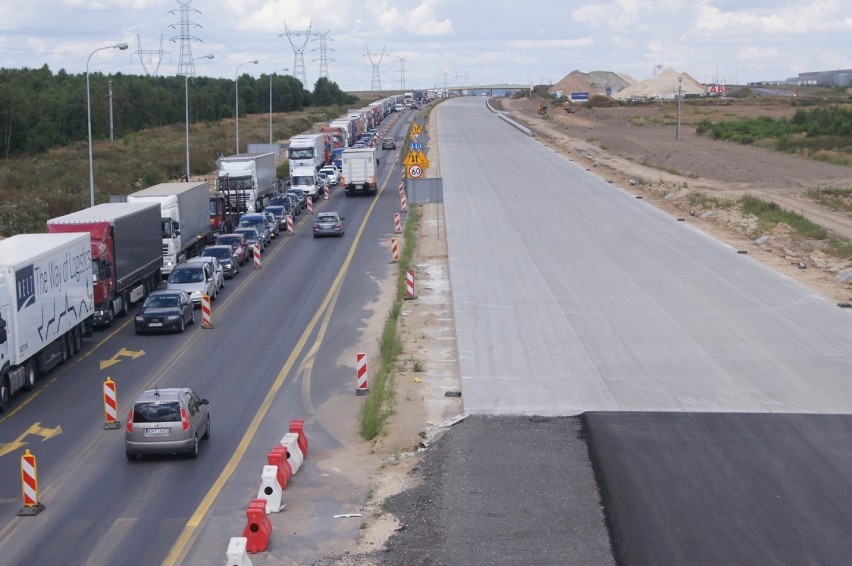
point(310, 205)
point(290, 442)
point(298, 426)
point(403, 202)
point(361, 374)
point(409, 284)
point(290, 224)
point(397, 223)
point(394, 250)
point(325, 192)
point(110, 406)
point(256, 253)
point(29, 486)
point(206, 312)
point(270, 489)
point(278, 457)
point(236, 555)
point(258, 528)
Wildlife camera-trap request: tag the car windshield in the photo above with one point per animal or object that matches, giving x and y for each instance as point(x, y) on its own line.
point(156, 412)
point(186, 275)
point(250, 236)
point(162, 301)
point(279, 210)
point(228, 240)
point(326, 218)
point(303, 180)
point(220, 253)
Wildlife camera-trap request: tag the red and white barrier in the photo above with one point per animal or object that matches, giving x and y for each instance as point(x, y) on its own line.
point(310, 205)
point(236, 555)
point(258, 528)
point(403, 202)
point(290, 224)
point(290, 442)
point(298, 426)
point(29, 485)
point(257, 264)
point(206, 312)
point(111, 421)
point(278, 457)
point(397, 223)
point(361, 374)
point(409, 284)
point(325, 192)
point(270, 490)
point(394, 250)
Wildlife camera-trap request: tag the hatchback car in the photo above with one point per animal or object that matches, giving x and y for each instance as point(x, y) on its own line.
point(271, 223)
point(239, 242)
point(328, 224)
point(197, 279)
point(166, 421)
point(279, 211)
point(253, 239)
point(257, 221)
point(332, 173)
point(165, 311)
point(218, 270)
point(227, 257)
point(388, 143)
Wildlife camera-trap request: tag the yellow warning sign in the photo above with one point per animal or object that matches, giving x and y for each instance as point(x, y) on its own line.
point(416, 157)
point(415, 128)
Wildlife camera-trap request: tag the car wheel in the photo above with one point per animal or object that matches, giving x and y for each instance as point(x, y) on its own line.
point(182, 325)
point(207, 432)
point(193, 452)
point(131, 456)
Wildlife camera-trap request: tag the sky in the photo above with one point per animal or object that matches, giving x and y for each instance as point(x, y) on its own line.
point(434, 43)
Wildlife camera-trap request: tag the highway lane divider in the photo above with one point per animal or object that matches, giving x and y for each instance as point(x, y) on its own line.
point(270, 489)
point(409, 285)
point(361, 374)
point(206, 312)
point(236, 555)
point(394, 250)
point(110, 406)
point(29, 486)
point(258, 529)
point(257, 264)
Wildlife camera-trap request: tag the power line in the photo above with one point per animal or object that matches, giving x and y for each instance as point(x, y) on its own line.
point(185, 65)
point(402, 61)
point(298, 50)
point(323, 39)
point(376, 80)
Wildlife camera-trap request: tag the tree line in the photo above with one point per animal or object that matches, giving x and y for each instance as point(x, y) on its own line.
point(40, 110)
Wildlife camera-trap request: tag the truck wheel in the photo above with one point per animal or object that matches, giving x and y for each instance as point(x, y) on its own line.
point(68, 342)
point(30, 374)
point(4, 393)
point(78, 339)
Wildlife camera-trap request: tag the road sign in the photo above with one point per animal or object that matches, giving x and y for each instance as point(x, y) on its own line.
point(415, 128)
point(414, 171)
point(416, 157)
point(415, 145)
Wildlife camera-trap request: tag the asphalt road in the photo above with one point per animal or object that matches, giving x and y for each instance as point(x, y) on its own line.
point(713, 394)
point(102, 509)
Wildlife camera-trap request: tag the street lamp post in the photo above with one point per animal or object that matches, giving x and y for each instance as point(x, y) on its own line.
point(237, 91)
point(285, 69)
point(121, 46)
point(186, 97)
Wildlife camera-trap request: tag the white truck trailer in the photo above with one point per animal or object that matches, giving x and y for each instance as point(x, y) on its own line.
point(359, 171)
point(185, 219)
point(46, 305)
point(247, 180)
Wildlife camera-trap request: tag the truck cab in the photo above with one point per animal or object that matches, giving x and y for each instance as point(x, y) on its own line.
point(305, 179)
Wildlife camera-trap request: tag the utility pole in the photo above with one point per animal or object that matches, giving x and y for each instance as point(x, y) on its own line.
point(111, 130)
point(323, 39)
point(294, 37)
point(185, 66)
point(376, 80)
point(142, 52)
point(679, 97)
point(402, 61)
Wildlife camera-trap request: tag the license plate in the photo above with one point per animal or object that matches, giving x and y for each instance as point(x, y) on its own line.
point(359, 187)
point(155, 324)
point(157, 432)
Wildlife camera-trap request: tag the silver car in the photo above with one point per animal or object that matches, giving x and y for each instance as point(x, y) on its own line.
point(197, 279)
point(166, 421)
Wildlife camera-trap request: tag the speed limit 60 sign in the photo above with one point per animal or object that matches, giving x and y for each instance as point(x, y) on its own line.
point(415, 171)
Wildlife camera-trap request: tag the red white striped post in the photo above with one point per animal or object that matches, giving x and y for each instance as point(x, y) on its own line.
point(397, 223)
point(29, 486)
point(206, 312)
point(409, 284)
point(257, 264)
point(402, 172)
point(394, 250)
point(325, 192)
point(290, 224)
point(403, 204)
point(111, 421)
point(361, 374)
point(310, 205)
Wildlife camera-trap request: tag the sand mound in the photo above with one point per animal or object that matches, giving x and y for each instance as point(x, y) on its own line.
point(664, 85)
point(595, 82)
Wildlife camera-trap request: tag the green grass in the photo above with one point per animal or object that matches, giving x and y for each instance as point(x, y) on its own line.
point(706, 201)
point(832, 197)
point(381, 401)
point(770, 214)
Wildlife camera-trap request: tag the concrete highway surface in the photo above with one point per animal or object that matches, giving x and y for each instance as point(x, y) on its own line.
point(641, 393)
point(274, 354)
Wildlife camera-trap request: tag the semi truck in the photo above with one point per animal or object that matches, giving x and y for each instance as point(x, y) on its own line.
point(309, 150)
point(46, 305)
point(359, 171)
point(348, 126)
point(247, 180)
point(184, 219)
point(126, 253)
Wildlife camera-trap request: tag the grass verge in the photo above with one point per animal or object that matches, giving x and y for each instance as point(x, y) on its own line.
point(381, 402)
